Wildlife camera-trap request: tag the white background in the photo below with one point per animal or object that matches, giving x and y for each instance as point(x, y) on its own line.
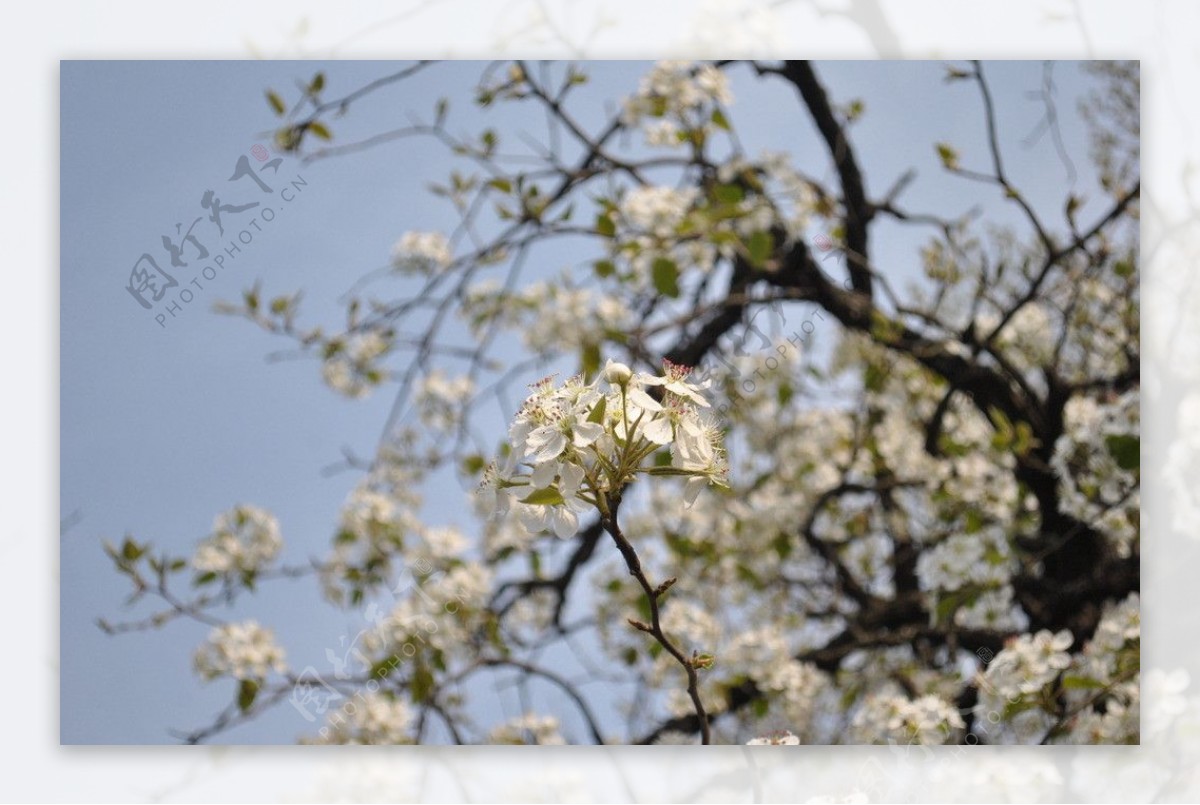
point(33, 39)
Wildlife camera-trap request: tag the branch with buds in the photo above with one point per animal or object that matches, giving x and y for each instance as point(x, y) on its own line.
point(576, 447)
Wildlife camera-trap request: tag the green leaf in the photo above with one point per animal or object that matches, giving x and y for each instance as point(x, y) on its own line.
point(1016, 708)
point(948, 156)
point(598, 411)
point(590, 360)
point(544, 497)
point(318, 84)
point(605, 225)
point(945, 608)
point(490, 140)
point(605, 268)
point(1081, 683)
point(720, 121)
point(473, 464)
point(503, 185)
point(760, 247)
point(247, 692)
point(729, 193)
point(874, 377)
point(384, 667)
point(951, 602)
point(276, 102)
point(422, 684)
point(1126, 450)
point(666, 277)
point(319, 130)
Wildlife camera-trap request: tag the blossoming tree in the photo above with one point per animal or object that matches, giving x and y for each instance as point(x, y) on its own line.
point(923, 529)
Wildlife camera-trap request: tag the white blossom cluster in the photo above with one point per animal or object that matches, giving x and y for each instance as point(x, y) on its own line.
point(382, 542)
point(421, 253)
point(551, 317)
point(1097, 692)
point(1110, 661)
point(657, 212)
point(559, 318)
point(1096, 460)
point(378, 526)
point(656, 224)
point(435, 615)
point(1012, 706)
point(244, 651)
point(425, 593)
point(351, 363)
point(892, 719)
point(993, 610)
point(1027, 338)
point(571, 445)
point(779, 738)
point(371, 535)
point(440, 400)
point(765, 656)
point(530, 728)
point(1028, 664)
point(244, 539)
point(982, 558)
point(978, 567)
point(784, 197)
point(677, 98)
point(1115, 641)
point(1103, 325)
point(372, 718)
point(975, 475)
point(1118, 723)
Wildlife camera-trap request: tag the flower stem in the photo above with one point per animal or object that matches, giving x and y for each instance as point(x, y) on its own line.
point(654, 628)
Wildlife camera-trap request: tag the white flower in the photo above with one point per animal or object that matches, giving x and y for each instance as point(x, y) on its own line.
point(675, 96)
point(244, 651)
point(780, 738)
point(674, 380)
point(376, 719)
point(656, 210)
point(573, 443)
point(245, 539)
point(561, 518)
point(421, 252)
point(927, 720)
point(440, 400)
point(618, 374)
point(528, 729)
point(1028, 664)
point(351, 363)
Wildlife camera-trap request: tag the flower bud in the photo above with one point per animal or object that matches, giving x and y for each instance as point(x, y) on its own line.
point(617, 373)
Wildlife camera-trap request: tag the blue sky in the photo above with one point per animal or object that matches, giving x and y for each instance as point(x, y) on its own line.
point(162, 428)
